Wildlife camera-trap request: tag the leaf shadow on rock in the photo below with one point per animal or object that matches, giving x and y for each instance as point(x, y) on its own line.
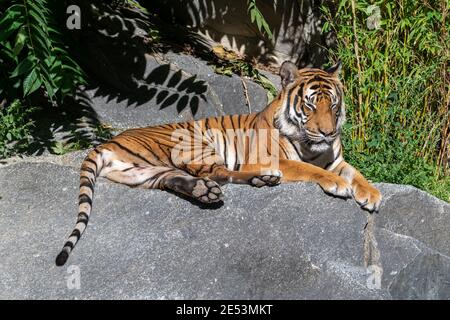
point(296, 26)
point(76, 122)
point(118, 58)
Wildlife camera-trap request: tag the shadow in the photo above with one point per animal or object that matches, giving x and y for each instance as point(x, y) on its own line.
point(201, 205)
point(76, 123)
point(296, 26)
point(120, 59)
point(163, 88)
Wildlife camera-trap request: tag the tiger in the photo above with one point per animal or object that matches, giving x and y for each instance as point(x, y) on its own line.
point(301, 128)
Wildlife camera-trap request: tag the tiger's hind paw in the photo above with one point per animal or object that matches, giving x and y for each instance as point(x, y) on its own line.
point(267, 178)
point(207, 191)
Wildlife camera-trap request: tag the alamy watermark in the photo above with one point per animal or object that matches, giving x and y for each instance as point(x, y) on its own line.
point(74, 19)
point(373, 281)
point(74, 279)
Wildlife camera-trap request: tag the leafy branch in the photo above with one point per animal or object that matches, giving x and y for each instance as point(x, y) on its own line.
point(33, 53)
point(257, 18)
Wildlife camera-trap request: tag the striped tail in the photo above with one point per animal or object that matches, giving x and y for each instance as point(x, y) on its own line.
point(90, 169)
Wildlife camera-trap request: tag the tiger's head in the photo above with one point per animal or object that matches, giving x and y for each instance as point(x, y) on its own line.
point(312, 110)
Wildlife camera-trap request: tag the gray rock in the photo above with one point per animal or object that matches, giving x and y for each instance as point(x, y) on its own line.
point(286, 242)
point(296, 27)
point(175, 88)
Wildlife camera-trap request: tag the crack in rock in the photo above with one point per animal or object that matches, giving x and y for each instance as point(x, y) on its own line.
point(371, 251)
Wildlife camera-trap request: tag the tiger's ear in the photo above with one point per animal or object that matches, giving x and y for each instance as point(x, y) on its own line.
point(335, 70)
point(288, 73)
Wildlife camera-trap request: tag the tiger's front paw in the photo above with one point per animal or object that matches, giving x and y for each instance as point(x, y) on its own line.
point(336, 186)
point(367, 196)
point(267, 178)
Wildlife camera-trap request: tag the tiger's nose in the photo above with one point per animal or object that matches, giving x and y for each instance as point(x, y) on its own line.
point(326, 132)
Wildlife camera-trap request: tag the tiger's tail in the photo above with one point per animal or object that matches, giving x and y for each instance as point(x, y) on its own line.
point(90, 169)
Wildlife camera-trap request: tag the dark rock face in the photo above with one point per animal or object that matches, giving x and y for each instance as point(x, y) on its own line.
point(286, 242)
point(296, 26)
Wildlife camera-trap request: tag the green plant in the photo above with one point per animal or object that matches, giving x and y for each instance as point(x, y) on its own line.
point(227, 62)
point(33, 54)
point(257, 18)
point(15, 126)
point(61, 148)
point(79, 140)
point(395, 62)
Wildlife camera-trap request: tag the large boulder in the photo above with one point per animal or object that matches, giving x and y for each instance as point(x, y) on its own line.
point(174, 87)
point(287, 242)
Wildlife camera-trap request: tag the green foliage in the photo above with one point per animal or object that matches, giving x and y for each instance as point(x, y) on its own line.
point(227, 62)
point(395, 60)
point(61, 148)
point(135, 4)
point(33, 54)
point(15, 126)
point(80, 141)
point(244, 68)
point(154, 34)
point(257, 18)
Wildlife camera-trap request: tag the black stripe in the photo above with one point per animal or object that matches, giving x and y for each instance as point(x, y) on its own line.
point(297, 96)
point(91, 161)
point(86, 184)
point(236, 158)
point(87, 169)
point(147, 146)
point(299, 114)
point(84, 198)
point(289, 98)
point(69, 244)
point(83, 218)
point(154, 177)
point(137, 155)
point(239, 120)
point(335, 158)
point(224, 137)
point(318, 78)
point(313, 94)
point(75, 233)
point(92, 182)
point(328, 165)
point(168, 155)
point(83, 214)
point(232, 122)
